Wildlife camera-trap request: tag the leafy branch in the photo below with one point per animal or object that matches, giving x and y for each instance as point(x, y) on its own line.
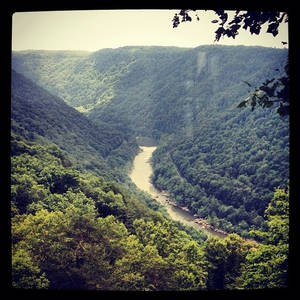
point(275, 90)
point(249, 20)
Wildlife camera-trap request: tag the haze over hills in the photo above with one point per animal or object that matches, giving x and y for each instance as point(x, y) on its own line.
point(183, 97)
point(221, 162)
point(146, 82)
point(39, 116)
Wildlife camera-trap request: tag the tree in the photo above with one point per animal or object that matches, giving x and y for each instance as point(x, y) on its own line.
point(225, 260)
point(195, 268)
point(267, 265)
point(179, 263)
point(69, 250)
point(216, 253)
point(25, 273)
point(275, 90)
point(24, 191)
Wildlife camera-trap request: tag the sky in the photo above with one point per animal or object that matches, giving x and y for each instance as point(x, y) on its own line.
point(92, 30)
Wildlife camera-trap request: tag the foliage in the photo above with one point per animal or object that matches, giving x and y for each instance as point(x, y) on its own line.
point(191, 81)
point(275, 90)
point(266, 95)
point(96, 236)
point(247, 20)
point(222, 163)
point(77, 231)
point(227, 171)
point(267, 266)
point(40, 116)
point(225, 258)
point(73, 229)
point(25, 274)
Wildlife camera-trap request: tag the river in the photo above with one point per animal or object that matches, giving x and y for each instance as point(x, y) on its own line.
point(140, 175)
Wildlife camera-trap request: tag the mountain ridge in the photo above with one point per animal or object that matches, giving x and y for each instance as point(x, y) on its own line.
point(39, 116)
point(228, 166)
point(103, 67)
point(185, 98)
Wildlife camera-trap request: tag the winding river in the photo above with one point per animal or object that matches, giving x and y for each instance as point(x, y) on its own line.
point(140, 175)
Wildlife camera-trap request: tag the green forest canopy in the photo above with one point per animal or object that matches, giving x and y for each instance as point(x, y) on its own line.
point(77, 231)
point(225, 164)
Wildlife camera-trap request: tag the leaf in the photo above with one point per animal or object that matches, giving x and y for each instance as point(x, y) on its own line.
point(268, 90)
point(236, 20)
point(255, 29)
point(283, 110)
point(188, 18)
point(175, 21)
point(247, 83)
point(242, 104)
point(268, 81)
point(235, 28)
point(273, 28)
point(267, 104)
point(219, 32)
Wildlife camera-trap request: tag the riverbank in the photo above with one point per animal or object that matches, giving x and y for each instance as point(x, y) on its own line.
point(140, 174)
point(202, 222)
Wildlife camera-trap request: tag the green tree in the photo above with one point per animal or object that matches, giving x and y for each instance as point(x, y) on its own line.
point(216, 254)
point(59, 179)
point(267, 265)
point(225, 260)
point(184, 265)
point(190, 268)
point(25, 191)
point(74, 250)
point(25, 273)
point(127, 273)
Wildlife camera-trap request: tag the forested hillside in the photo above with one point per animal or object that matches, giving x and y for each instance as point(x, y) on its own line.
point(220, 161)
point(77, 222)
point(39, 116)
point(152, 90)
point(173, 93)
point(78, 231)
point(85, 80)
point(228, 171)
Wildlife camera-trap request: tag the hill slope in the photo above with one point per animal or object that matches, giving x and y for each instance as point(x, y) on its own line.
point(77, 231)
point(222, 162)
point(39, 116)
point(151, 90)
point(167, 92)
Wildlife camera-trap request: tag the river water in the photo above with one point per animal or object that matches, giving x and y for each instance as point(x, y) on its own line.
point(140, 175)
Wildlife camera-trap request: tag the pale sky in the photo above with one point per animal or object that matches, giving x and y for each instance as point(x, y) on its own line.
point(96, 29)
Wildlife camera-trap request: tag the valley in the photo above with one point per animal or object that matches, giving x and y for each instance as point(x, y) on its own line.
point(136, 168)
point(140, 175)
point(211, 156)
